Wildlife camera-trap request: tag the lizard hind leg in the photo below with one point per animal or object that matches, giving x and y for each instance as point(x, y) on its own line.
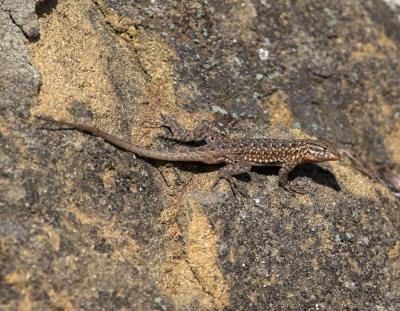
point(203, 132)
point(227, 172)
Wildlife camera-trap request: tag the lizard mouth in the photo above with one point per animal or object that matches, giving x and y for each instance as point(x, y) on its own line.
point(334, 157)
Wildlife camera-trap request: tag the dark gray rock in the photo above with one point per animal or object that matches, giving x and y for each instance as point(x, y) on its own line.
point(86, 226)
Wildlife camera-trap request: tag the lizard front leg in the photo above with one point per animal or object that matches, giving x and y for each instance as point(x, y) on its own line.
point(284, 181)
point(227, 172)
point(203, 132)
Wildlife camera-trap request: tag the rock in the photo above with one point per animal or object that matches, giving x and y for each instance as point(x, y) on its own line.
point(84, 225)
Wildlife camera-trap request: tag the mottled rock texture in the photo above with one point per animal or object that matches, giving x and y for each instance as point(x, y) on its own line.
point(85, 226)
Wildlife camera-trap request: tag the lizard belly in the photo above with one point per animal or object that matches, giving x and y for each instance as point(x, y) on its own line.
point(266, 163)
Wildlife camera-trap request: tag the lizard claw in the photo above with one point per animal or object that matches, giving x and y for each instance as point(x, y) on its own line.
point(166, 135)
point(216, 182)
point(238, 190)
point(235, 187)
point(168, 122)
point(173, 130)
point(295, 188)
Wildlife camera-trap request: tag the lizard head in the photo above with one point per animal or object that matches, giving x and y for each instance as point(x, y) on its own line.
point(316, 151)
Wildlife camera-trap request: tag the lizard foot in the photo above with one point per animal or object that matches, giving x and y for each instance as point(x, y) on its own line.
point(203, 132)
point(173, 130)
point(295, 188)
point(236, 188)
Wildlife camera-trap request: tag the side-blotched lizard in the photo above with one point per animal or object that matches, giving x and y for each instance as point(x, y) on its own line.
point(239, 155)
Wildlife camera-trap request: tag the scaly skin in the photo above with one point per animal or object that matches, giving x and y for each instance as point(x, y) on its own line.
point(239, 155)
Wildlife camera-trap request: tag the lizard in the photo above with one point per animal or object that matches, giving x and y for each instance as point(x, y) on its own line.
point(238, 155)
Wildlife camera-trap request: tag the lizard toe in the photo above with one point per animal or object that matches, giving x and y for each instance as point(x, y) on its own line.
point(236, 188)
point(296, 188)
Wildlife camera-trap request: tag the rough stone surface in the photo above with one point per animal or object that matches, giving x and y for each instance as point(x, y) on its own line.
point(19, 80)
point(85, 226)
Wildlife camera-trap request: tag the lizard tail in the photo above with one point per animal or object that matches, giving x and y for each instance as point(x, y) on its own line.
point(186, 155)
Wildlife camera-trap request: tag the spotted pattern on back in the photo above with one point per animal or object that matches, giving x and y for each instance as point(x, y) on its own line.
point(264, 151)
